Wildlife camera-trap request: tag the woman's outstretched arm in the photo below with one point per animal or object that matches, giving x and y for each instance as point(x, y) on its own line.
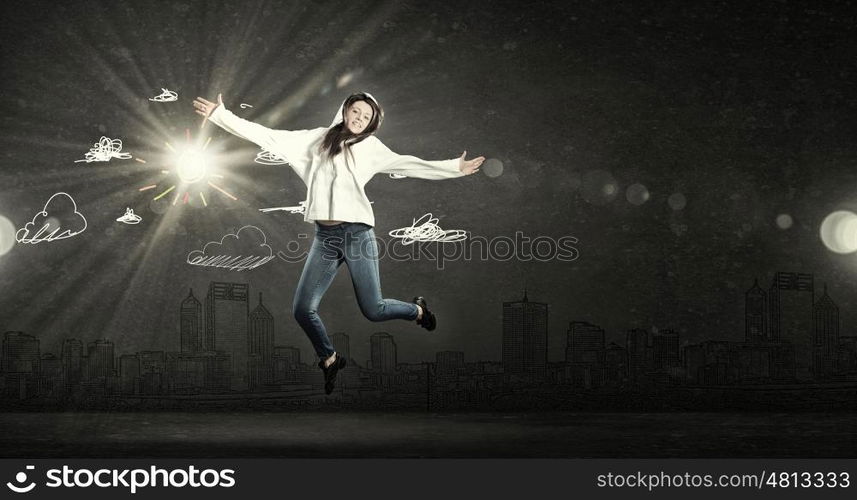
point(293, 145)
point(388, 162)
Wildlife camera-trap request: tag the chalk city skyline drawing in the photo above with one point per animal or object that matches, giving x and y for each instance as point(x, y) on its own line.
point(224, 345)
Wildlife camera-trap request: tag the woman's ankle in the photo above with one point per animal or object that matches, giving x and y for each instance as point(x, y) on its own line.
point(329, 361)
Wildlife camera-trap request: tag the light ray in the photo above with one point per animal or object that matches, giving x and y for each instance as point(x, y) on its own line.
point(215, 186)
point(164, 193)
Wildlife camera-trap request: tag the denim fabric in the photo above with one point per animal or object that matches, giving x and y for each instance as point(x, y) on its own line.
point(354, 244)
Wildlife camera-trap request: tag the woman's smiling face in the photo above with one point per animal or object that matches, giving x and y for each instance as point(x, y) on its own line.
point(358, 116)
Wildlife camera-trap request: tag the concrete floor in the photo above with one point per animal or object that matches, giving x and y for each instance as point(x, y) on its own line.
point(340, 435)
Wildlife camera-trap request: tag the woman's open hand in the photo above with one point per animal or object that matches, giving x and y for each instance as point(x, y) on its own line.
point(204, 107)
point(469, 166)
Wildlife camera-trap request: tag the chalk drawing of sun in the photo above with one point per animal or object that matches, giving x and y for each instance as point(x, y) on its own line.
point(190, 173)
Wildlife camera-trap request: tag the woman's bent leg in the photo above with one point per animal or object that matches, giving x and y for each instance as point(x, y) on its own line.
point(320, 268)
point(361, 256)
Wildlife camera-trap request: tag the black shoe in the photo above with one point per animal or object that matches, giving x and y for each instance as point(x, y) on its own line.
point(429, 320)
point(331, 371)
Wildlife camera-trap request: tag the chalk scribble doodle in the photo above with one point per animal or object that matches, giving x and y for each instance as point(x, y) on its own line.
point(234, 251)
point(398, 176)
point(130, 217)
point(104, 150)
point(165, 96)
point(426, 229)
point(51, 227)
point(245, 106)
point(300, 208)
point(266, 157)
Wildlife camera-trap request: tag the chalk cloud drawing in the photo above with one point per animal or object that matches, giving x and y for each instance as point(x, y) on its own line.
point(130, 217)
point(426, 229)
point(104, 150)
point(245, 106)
point(50, 227)
point(165, 96)
point(245, 249)
point(266, 157)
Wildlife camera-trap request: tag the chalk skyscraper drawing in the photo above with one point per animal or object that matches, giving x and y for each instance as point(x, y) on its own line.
point(226, 315)
point(585, 352)
point(100, 355)
point(190, 324)
point(825, 338)
point(20, 353)
point(72, 362)
point(792, 301)
point(755, 315)
point(383, 352)
point(261, 344)
point(525, 333)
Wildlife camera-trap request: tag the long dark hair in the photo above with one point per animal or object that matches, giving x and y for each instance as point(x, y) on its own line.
point(339, 136)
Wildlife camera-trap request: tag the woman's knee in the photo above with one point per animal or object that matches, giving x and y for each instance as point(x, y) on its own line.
point(302, 310)
point(374, 312)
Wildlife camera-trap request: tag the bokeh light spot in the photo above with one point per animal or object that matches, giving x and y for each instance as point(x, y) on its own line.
point(839, 232)
point(7, 235)
point(784, 221)
point(677, 201)
point(598, 187)
point(637, 194)
point(492, 167)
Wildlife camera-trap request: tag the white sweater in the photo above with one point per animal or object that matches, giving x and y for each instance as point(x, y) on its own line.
point(334, 189)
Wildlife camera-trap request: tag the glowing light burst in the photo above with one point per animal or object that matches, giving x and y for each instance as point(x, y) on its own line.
point(190, 165)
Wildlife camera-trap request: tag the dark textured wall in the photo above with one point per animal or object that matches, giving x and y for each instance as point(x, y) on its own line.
point(747, 111)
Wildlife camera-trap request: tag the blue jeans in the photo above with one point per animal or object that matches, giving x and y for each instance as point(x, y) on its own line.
point(354, 244)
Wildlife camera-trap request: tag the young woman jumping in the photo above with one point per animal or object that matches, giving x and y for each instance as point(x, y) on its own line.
point(335, 163)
